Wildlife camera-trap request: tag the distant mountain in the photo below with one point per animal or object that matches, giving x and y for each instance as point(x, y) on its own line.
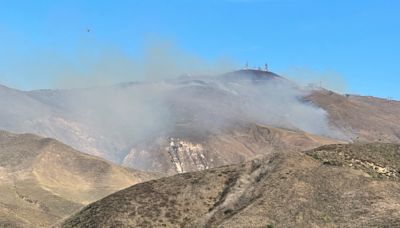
point(354, 185)
point(189, 123)
point(43, 180)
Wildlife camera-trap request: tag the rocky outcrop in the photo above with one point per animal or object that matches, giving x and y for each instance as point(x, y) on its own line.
point(186, 154)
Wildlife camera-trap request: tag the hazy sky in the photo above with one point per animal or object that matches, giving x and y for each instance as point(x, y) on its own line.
point(358, 41)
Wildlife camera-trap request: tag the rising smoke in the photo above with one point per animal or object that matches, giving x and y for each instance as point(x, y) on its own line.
point(133, 112)
point(170, 91)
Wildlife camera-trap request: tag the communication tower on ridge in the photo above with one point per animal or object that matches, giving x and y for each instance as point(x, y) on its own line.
point(266, 67)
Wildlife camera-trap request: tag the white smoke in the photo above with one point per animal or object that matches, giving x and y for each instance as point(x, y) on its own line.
point(112, 117)
point(133, 112)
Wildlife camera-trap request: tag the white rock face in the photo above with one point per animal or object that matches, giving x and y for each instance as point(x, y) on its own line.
point(185, 155)
point(168, 154)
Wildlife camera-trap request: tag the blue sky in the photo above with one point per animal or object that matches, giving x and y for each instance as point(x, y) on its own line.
point(356, 41)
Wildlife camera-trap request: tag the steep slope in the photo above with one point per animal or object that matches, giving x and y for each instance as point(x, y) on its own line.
point(185, 152)
point(366, 119)
point(43, 180)
point(45, 115)
point(325, 187)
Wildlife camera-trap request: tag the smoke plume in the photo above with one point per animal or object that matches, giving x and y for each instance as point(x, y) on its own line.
point(165, 91)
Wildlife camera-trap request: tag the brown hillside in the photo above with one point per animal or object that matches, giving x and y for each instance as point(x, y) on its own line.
point(325, 187)
point(366, 119)
point(184, 152)
point(43, 180)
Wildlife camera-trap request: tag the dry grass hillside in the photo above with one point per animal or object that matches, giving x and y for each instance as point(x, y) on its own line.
point(185, 152)
point(365, 119)
point(332, 186)
point(43, 180)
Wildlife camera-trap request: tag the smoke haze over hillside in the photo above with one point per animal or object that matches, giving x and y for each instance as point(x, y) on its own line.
point(130, 113)
point(163, 91)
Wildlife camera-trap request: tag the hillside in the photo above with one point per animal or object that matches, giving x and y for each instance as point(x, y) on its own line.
point(185, 152)
point(362, 118)
point(43, 180)
point(354, 185)
point(207, 111)
point(196, 122)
